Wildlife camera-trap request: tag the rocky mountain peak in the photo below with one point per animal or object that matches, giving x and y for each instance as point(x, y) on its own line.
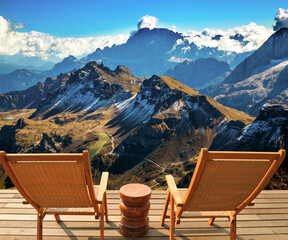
point(88, 89)
point(122, 69)
point(70, 58)
point(67, 64)
point(273, 111)
point(155, 33)
point(158, 86)
point(91, 65)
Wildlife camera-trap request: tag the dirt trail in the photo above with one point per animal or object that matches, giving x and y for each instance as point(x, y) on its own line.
point(112, 143)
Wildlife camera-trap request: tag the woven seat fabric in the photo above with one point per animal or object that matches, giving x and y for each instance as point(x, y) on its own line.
point(225, 184)
point(204, 214)
point(54, 184)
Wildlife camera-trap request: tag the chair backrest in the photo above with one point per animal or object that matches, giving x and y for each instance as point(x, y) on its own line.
point(52, 180)
point(225, 181)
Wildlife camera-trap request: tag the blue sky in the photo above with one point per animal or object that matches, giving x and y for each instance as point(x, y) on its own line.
point(91, 18)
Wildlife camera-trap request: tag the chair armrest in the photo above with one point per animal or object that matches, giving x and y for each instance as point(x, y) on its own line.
point(174, 191)
point(102, 186)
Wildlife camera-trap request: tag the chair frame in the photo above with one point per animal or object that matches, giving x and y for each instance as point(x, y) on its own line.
point(175, 200)
point(99, 202)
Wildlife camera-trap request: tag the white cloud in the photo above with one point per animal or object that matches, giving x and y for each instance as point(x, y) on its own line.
point(173, 28)
point(147, 22)
point(18, 26)
point(281, 19)
point(178, 60)
point(252, 37)
point(46, 46)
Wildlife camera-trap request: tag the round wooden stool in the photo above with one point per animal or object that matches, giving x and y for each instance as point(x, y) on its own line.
point(134, 206)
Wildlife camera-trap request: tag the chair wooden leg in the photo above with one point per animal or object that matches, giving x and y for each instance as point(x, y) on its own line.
point(39, 226)
point(102, 221)
point(165, 208)
point(57, 217)
point(233, 228)
point(106, 209)
point(172, 218)
point(211, 220)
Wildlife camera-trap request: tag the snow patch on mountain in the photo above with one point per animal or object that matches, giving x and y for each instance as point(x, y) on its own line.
point(275, 65)
point(122, 105)
point(139, 110)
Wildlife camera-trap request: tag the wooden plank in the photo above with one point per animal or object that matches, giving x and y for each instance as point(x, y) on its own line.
point(4, 191)
point(263, 194)
point(116, 212)
point(159, 206)
point(257, 200)
point(163, 192)
point(8, 195)
point(273, 191)
point(32, 217)
point(17, 205)
point(243, 237)
point(161, 232)
point(115, 224)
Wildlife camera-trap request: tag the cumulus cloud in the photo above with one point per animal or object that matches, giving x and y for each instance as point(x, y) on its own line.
point(252, 37)
point(46, 46)
point(281, 19)
point(147, 22)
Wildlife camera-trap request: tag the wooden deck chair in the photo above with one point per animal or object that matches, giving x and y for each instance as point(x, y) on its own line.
point(222, 185)
point(59, 184)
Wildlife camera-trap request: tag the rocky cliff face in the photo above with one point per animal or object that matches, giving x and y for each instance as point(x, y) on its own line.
point(260, 78)
point(7, 136)
point(200, 73)
point(267, 133)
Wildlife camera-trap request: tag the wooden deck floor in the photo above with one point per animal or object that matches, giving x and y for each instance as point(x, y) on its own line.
point(268, 219)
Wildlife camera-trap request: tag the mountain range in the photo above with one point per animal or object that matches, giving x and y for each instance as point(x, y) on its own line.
point(260, 78)
point(147, 52)
point(122, 119)
point(19, 79)
point(200, 73)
